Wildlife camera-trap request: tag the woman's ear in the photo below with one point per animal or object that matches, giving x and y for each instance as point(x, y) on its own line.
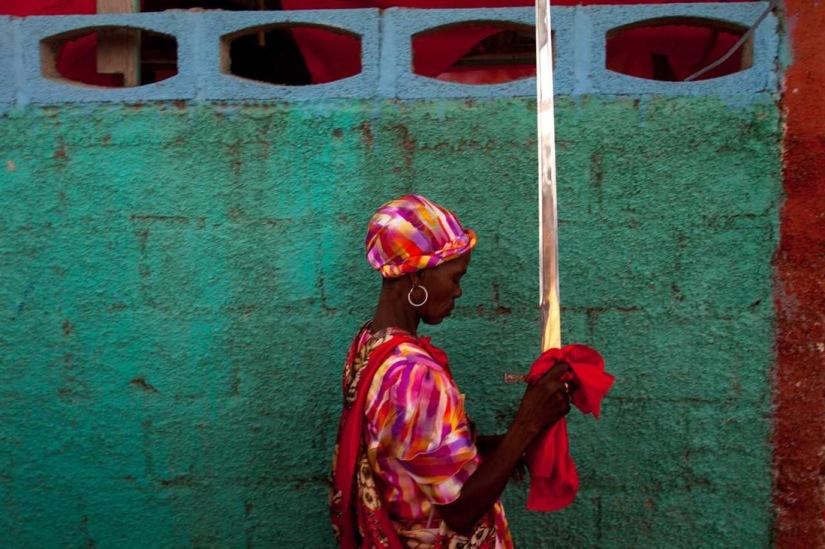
point(416, 278)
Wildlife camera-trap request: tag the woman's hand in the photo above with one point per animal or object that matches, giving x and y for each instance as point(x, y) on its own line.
point(520, 472)
point(546, 401)
point(543, 404)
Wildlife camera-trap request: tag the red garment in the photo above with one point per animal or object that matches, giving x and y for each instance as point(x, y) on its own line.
point(553, 477)
point(360, 516)
point(356, 526)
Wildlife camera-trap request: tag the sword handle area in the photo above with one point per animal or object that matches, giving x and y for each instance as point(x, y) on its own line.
point(515, 378)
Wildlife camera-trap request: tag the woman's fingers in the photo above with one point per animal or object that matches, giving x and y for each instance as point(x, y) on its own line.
point(570, 385)
point(548, 400)
point(557, 372)
point(520, 472)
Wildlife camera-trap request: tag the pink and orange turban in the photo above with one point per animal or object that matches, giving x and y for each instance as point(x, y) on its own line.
point(412, 233)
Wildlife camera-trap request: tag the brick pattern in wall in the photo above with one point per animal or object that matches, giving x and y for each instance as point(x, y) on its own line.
point(180, 284)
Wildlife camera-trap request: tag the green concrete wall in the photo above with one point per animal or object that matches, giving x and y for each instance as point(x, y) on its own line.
point(180, 283)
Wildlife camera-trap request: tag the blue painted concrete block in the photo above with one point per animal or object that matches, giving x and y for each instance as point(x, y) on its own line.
point(386, 40)
point(7, 59)
point(38, 89)
point(597, 21)
point(220, 84)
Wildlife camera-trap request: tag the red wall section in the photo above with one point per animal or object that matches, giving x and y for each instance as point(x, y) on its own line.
point(799, 422)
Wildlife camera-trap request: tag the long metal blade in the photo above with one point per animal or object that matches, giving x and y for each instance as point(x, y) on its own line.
point(548, 223)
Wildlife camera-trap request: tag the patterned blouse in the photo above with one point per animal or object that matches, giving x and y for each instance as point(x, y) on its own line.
point(419, 440)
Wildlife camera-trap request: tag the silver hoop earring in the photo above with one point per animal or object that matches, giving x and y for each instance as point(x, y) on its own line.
point(409, 296)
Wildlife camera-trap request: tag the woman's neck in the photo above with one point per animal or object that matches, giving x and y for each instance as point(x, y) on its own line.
point(394, 311)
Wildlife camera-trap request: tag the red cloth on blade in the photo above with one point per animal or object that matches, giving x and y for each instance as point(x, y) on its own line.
point(553, 477)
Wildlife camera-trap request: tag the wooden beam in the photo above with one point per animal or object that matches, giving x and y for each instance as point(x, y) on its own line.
point(118, 51)
point(262, 35)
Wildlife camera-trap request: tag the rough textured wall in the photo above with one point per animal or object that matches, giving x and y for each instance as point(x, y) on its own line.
point(799, 421)
point(180, 283)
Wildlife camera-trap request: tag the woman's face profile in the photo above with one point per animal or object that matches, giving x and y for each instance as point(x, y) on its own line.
point(443, 284)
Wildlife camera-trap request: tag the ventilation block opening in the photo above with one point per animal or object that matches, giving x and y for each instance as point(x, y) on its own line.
point(676, 48)
point(109, 57)
point(476, 53)
point(291, 54)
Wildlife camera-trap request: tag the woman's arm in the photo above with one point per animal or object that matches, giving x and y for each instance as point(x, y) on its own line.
point(487, 444)
point(543, 404)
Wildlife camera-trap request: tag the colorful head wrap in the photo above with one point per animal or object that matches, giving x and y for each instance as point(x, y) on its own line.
point(412, 233)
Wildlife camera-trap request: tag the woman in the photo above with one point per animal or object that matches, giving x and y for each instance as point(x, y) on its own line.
point(407, 470)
